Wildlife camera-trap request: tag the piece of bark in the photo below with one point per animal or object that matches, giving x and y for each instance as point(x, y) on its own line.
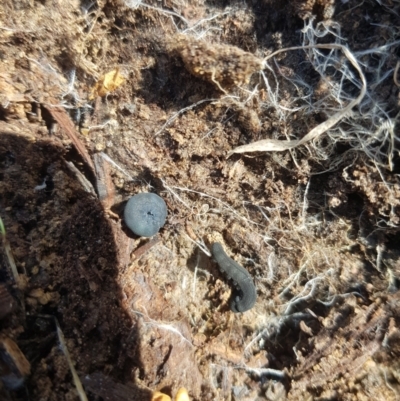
point(67, 126)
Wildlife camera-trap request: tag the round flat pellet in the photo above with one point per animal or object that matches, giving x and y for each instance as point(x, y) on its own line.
point(145, 214)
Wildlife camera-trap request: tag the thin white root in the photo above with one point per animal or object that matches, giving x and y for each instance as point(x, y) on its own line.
point(279, 374)
point(269, 145)
point(303, 298)
point(201, 245)
point(195, 277)
point(203, 194)
point(178, 113)
point(163, 326)
point(117, 166)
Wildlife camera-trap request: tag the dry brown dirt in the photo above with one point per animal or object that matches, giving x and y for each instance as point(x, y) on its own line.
point(317, 226)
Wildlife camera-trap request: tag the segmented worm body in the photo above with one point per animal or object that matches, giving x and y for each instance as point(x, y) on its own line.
point(244, 295)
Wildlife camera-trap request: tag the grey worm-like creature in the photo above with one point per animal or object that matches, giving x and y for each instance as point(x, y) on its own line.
point(145, 214)
point(244, 294)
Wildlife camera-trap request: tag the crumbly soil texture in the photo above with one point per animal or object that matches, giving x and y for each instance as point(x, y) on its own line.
point(104, 99)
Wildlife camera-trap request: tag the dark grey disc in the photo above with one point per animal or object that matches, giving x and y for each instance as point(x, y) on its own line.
point(145, 214)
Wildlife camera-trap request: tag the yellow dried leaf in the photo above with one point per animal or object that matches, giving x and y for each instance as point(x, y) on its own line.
point(182, 395)
point(107, 83)
point(157, 396)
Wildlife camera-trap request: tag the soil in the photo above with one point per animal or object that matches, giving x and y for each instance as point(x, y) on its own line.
point(106, 99)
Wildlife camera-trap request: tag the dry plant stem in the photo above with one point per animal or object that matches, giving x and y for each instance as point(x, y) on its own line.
point(396, 70)
point(86, 184)
point(7, 249)
point(11, 260)
point(77, 381)
point(268, 145)
point(104, 185)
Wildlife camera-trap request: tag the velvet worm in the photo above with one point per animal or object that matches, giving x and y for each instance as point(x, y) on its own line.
point(244, 295)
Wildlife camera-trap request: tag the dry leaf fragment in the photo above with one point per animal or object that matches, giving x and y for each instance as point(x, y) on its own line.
point(157, 396)
point(107, 83)
point(14, 367)
point(181, 395)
